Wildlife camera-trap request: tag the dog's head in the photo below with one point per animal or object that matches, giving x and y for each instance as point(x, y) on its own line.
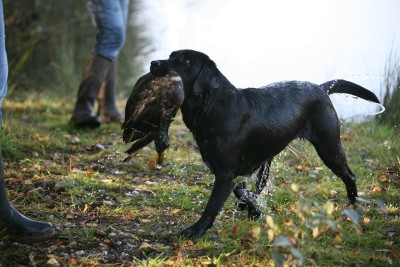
point(198, 72)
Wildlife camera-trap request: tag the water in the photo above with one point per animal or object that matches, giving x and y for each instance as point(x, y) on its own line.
point(260, 42)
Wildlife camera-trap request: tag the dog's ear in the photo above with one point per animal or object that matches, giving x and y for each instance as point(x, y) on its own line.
point(207, 79)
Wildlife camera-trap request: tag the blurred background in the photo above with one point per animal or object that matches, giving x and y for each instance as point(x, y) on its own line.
point(253, 43)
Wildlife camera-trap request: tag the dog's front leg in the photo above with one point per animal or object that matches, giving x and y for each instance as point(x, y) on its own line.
point(223, 186)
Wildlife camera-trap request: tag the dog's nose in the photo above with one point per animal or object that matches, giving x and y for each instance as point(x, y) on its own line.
point(155, 66)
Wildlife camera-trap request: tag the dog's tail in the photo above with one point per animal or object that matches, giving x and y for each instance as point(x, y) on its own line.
point(346, 87)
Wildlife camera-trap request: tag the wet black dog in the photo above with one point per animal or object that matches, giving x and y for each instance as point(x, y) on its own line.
point(240, 131)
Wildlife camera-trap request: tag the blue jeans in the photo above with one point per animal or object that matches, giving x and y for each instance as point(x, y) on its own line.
point(3, 59)
point(110, 18)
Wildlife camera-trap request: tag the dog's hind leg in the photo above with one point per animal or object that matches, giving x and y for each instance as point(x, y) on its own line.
point(262, 176)
point(330, 150)
point(247, 199)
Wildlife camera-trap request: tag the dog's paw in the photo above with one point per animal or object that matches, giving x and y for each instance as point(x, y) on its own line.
point(198, 229)
point(254, 213)
point(193, 232)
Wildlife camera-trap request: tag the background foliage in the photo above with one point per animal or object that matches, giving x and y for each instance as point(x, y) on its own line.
point(48, 43)
point(391, 87)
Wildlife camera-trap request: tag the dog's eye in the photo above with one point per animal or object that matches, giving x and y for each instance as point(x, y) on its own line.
point(185, 61)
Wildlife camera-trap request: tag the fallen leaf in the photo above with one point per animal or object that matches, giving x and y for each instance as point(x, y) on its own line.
point(52, 262)
point(394, 252)
point(366, 220)
point(383, 178)
point(56, 244)
point(26, 182)
point(271, 235)
point(75, 140)
point(377, 189)
point(175, 211)
point(333, 193)
point(39, 138)
point(222, 233)
point(36, 136)
point(287, 221)
point(337, 240)
point(35, 192)
point(206, 262)
point(255, 232)
point(315, 232)
point(346, 137)
point(89, 171)
point(295, 187)
point(109, 243)
point(100, 232)
point(299, 168)
point(72, 262)
point(85, 208)
point(318, 169)
point(144, 245)
point(283, 182)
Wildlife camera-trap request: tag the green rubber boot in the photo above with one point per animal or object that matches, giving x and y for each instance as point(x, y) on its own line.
point(16, 225)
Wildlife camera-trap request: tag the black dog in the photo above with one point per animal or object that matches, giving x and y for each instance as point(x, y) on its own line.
point(240, 131)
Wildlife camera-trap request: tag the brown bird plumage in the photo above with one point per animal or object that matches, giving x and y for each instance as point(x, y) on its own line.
point(149, 111)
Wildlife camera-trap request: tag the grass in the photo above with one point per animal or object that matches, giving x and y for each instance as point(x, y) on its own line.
point(112, 213)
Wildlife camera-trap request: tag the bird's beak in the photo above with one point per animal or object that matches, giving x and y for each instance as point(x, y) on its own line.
point(159, 160)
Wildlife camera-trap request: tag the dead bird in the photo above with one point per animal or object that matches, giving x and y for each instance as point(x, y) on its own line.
point(149, 111)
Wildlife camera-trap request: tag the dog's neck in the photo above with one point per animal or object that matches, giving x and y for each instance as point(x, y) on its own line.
point(198, 108)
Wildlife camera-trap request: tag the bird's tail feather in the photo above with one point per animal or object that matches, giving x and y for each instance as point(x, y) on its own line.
point(137, 145)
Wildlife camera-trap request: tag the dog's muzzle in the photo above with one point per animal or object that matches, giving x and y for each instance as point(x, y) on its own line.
point(158, 68)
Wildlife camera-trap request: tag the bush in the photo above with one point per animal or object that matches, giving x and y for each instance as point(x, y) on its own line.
point(391, 88)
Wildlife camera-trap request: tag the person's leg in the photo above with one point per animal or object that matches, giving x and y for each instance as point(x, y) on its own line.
point(109, 19)
point(93, 77)
point(108, 16)
point(108, 110)
point(12, 222)
point(3, 58)
point(99, 80)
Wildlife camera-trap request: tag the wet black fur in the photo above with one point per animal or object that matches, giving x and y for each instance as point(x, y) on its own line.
point(240, 131)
